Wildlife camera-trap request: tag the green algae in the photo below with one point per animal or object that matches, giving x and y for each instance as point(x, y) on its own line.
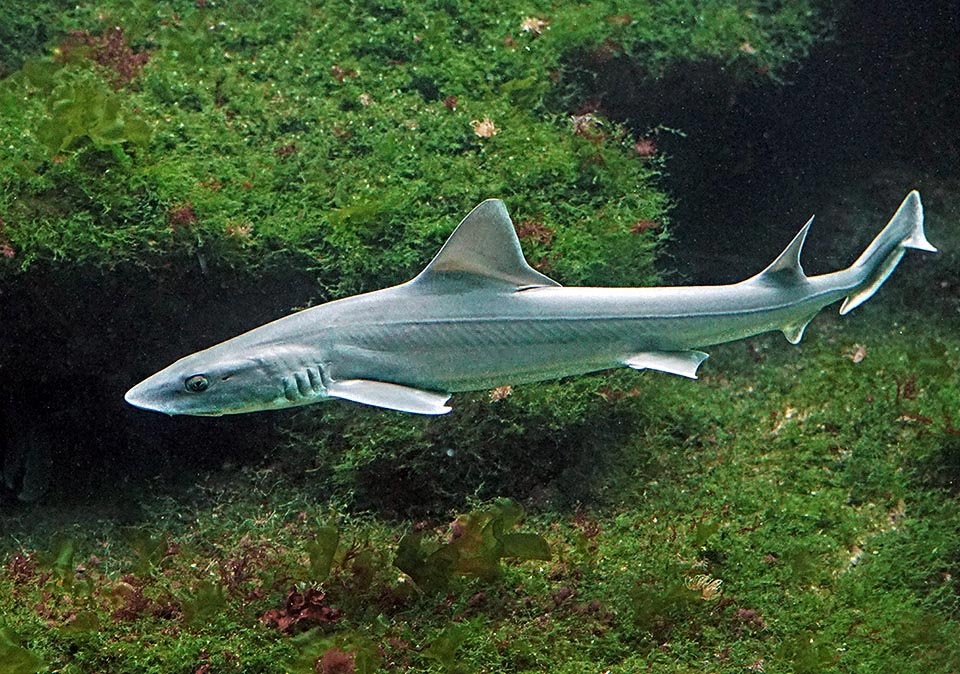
point(343, 136)
point(14, 659)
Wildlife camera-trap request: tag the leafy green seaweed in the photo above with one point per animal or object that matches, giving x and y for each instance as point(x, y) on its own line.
point(14, 659)
point(479, 541)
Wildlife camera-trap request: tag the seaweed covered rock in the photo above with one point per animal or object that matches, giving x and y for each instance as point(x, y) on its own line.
point(348, 137)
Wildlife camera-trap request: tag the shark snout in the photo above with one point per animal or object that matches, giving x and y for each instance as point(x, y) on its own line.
point(146, 396)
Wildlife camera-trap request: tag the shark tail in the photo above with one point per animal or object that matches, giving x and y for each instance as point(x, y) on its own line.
point(905, 230)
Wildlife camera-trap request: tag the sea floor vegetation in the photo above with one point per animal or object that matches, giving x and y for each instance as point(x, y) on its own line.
point(793, 511)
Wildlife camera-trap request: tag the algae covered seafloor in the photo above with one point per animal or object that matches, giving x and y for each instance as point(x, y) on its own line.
point(176, 172)
point(793, 511)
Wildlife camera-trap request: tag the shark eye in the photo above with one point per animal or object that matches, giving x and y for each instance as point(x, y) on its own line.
point(196, 383)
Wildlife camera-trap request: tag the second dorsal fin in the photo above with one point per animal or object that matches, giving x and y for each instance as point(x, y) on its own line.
point(485, 245)
point(786, 268)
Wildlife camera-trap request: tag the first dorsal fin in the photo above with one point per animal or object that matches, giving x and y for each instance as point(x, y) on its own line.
point(786, 268)
point(485, 245)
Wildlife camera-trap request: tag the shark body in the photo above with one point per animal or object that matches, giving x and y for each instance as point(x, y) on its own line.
point(478, 316)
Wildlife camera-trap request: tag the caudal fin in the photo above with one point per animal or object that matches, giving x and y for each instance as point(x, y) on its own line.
point(905, 230)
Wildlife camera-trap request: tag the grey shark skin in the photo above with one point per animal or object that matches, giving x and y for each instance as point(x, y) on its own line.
point(478, 316)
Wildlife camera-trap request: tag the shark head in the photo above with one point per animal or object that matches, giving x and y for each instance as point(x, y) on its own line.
point(225, 380)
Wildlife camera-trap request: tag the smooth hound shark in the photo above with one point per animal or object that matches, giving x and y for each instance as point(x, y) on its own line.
point(478, 316)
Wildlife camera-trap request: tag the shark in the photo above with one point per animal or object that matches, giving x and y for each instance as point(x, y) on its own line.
point(479, 316)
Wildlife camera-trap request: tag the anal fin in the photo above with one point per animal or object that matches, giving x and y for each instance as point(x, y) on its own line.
point(683, 363)
point(794, 331)
point(390, 396)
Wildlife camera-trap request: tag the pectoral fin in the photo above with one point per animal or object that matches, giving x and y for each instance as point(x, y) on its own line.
point(390, 396)
point(683, 363)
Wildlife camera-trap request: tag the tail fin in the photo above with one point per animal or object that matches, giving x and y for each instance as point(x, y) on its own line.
point(905, 230)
